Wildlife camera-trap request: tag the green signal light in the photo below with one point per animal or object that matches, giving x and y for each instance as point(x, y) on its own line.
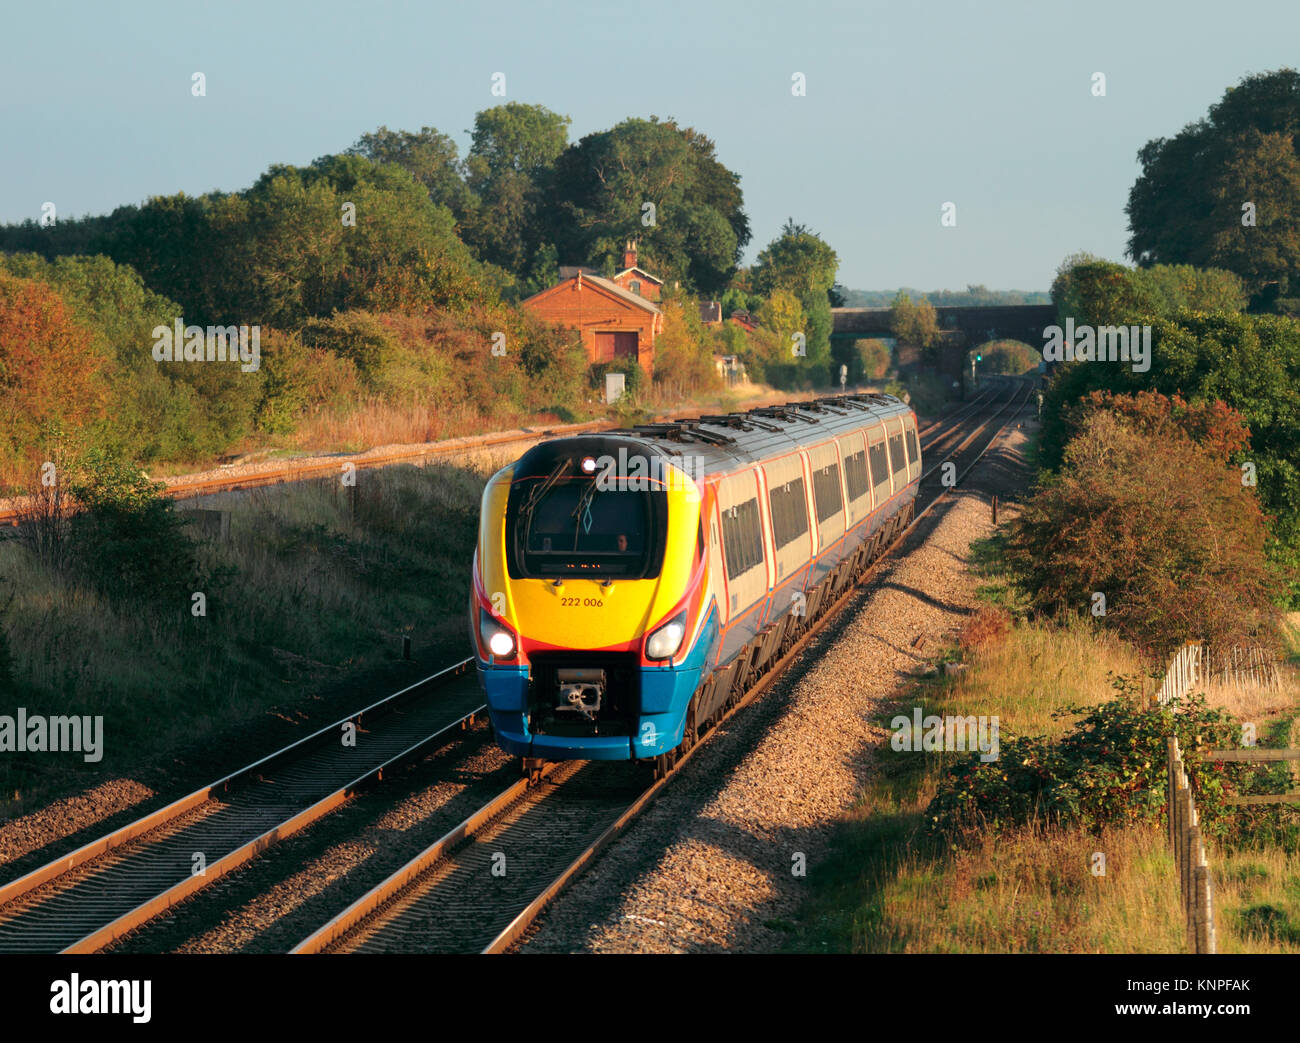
point(979, 358)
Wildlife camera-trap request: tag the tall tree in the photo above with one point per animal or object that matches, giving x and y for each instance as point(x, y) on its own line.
point(800, 262)
point(508, 171)
point(659, 184)
point(429, 156)
point(1186, 206)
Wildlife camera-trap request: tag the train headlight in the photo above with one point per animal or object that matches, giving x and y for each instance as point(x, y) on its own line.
point(498, 638)
point(664, 642)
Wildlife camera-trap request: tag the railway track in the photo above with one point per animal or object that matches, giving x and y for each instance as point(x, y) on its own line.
point(480, 886)
point(104, 890)
point(96, 894)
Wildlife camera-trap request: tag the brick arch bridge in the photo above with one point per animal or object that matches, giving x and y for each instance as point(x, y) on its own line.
point(963, 328)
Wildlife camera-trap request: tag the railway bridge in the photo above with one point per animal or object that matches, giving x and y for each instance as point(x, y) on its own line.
point(962, 328)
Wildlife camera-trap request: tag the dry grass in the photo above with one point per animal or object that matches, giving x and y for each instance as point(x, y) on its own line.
point(376, 423)
point(891, 887)
point(324, 585)
point(1031, 891)
point(1035, 671)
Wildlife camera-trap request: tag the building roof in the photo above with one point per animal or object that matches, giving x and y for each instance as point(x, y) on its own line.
point(603, 284)
point(568, 271)
point(639, 271)
point(710, 311)
point(627, 295)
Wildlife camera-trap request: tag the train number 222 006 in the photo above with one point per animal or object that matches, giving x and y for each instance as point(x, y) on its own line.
point(581, 603)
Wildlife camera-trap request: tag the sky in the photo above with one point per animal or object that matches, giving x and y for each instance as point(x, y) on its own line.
point(989, 105)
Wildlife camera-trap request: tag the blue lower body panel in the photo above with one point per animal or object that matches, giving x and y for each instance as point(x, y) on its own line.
point(659, 725)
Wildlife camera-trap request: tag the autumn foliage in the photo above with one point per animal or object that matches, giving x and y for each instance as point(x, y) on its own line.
point(1147, 511)
point(51, 379)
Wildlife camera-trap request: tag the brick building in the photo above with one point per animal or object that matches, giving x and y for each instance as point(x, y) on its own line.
point(617, 317)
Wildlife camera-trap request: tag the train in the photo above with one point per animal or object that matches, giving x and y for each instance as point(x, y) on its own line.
point(630, 585)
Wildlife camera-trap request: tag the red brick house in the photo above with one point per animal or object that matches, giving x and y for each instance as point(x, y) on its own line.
point(637, 280)
point(614, 322)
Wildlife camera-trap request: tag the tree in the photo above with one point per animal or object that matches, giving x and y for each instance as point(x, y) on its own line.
point(693, 229)
point(51, 378)
point(873, 359)
point(1262, 172)
point(1251, 362)
point(801, 263)
point(508, 171)
point(797, 260)
point(913, 323)
point(1186, 205)
point(429, 156)
point(684, 351)
point(1127, 516)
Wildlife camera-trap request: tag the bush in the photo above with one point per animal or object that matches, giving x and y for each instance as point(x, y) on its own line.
point(684, 351)
point(1108, 770)
point(127, 541)
point(1157, 523)
point(873, 357)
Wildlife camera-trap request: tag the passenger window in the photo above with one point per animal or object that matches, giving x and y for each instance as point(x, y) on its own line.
point(855, 474)
point(826, 491)
point(789, 512)
point(742, 538)
point(896, 453)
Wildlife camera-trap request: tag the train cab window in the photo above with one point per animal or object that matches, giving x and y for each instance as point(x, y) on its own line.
point(879, 470)
point(789, 512)
point(742, 537)
point(913, 451)
point(896, 454)
point(826, 491)
point(855, 475)
point(561, 524)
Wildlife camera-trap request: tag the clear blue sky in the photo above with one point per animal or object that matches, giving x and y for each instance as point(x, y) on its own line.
point(909, 105)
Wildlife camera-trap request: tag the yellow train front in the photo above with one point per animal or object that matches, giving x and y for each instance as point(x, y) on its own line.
point(629, 585)
point(586, 601)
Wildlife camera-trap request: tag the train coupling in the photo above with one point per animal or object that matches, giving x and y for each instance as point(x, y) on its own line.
point(580, 691)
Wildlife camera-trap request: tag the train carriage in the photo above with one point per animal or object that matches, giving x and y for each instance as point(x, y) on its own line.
point(629, 584)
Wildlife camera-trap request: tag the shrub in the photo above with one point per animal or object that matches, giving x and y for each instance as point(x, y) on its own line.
point(1157, 523)
point(127, 541)
point(1108, 770)
point(684, 351)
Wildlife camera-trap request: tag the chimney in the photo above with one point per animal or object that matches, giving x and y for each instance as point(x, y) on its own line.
point(629, 255)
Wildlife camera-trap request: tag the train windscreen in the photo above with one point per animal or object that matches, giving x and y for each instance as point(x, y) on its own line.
point(566, 523)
